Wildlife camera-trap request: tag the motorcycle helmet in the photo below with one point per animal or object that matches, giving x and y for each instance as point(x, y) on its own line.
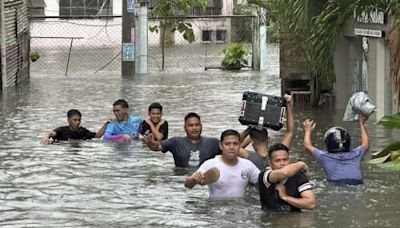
point(337, 140)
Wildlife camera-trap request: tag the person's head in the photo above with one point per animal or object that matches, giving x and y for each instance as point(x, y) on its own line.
point(230, 143)
point(193, 125)
point(278, 156)
point(155, 112)
point(259, 136)
point(120, 109)
point(74, 118)
point(337, 140)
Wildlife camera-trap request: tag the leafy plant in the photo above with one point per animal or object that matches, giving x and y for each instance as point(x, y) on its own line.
point(34, 56)
point(273, 32)
point(389, 157)
point(235, 56)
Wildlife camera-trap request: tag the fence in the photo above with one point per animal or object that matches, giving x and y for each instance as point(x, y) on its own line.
point(14, 42)
point(93, 45)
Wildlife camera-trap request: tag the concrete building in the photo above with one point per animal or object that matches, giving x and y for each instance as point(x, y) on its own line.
point(362, 62)
point(207, 30)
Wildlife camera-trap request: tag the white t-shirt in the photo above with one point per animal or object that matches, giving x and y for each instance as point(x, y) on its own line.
point(233, 180)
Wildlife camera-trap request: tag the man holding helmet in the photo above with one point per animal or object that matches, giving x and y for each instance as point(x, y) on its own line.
point(341, 164)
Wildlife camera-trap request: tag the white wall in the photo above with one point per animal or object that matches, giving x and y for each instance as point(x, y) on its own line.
point(52, 7)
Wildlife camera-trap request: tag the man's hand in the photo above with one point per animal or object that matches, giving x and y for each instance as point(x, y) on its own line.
point(47, 140)
point(304, 166)
point(151, 143)
point(198, 178)
point(148, 137)
point(309, 125)
point(288, 98)
point(362, 119)
point(111, 118)
point(148, 121)
point(159, 124)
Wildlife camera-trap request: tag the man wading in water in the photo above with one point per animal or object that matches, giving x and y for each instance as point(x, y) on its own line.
point(73, 130)
point(191, 150)
point(235, 173)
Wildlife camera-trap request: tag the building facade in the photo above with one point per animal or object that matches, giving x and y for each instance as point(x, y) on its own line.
point(362, 62)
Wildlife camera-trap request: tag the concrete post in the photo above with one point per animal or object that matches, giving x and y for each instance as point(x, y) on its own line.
point(256, 44)
point(128, 38)
point(141, 38)
point(383, 85)
point(263, 39)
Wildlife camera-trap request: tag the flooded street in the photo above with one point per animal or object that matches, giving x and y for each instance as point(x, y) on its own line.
point(99, 184)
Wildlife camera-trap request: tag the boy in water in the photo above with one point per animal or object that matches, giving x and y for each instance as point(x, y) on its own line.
point(73, 130)
point(341, 164)
point(154, 123)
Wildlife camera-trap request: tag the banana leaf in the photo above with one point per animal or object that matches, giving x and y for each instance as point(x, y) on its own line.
point(386, 151)
point(379, 160)
point(392, 165)
point(391, 121)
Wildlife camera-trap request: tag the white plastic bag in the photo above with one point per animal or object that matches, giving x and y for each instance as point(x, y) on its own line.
point(359, 103)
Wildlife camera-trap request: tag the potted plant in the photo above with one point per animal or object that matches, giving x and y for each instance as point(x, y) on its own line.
point(388, 157)
point(235, 56)
point(34, 56)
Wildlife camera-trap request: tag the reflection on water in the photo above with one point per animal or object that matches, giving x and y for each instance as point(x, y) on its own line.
point(99, 184)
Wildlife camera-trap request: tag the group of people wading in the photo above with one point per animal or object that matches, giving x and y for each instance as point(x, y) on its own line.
point(224, 164)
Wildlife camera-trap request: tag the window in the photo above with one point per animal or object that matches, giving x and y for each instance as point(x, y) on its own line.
point(36, 7)
point(221, 36)
point(214, 7)
point(85, 8)
point(206, 36)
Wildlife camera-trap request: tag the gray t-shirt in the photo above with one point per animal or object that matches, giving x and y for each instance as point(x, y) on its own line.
point(188, 154)
point(258, 160)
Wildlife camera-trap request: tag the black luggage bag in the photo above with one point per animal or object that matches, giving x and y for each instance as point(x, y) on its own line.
point(262, 111)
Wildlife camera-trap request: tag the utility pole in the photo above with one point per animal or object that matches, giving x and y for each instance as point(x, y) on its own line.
point(128, 38)
point(141, 37)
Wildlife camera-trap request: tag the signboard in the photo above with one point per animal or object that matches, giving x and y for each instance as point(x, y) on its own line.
point(373, 17)
point(368, 32)
point(128, 52)
point(131, 6)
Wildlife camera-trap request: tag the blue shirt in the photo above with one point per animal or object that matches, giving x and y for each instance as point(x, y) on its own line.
point(341, 168)
point(131, 127)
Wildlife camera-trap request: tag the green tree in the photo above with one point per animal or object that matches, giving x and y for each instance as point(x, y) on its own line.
point(165, 10)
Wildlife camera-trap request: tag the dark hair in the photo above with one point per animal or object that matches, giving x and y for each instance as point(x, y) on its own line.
point(155, 106)
point(259, 136)
point(275, 147)
point(73, 112)
point(191, 115)
point(229, 132)
point(122, 103)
